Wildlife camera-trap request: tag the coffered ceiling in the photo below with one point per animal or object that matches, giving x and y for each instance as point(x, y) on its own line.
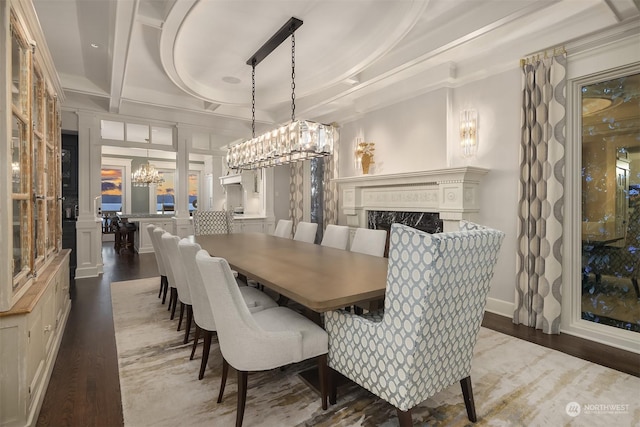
point(185, 60)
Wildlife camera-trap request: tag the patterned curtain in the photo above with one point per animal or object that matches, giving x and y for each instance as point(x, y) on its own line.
point(330, 202)
point(540, 209)
point(296, 193)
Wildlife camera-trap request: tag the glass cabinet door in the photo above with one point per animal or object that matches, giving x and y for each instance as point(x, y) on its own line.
point(20, 179)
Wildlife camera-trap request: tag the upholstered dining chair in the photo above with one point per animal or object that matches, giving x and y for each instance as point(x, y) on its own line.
point(164, 285)
point(212, 222)
point(284, 228)
point(170, 243)
point(306, 232)
point(369, 241)
point(171, 283)
point(336, 236)
point(202, 312)
point(423, 340)
point(259, 341)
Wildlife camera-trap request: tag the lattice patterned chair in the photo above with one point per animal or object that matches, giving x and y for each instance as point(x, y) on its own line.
point(212, 222)
point(621, 262)
point(423, 340)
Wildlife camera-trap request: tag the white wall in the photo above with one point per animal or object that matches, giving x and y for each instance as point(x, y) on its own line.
point(412, 136)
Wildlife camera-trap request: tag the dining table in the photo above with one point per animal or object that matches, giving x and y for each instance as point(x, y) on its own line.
point(317, 277)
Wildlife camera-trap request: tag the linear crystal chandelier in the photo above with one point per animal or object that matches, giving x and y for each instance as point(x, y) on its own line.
point(291, 142)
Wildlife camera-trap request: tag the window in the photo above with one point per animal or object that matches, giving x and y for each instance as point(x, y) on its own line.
point(610, 202)
point(165, 192)
point(194, 186)
point(112, 189)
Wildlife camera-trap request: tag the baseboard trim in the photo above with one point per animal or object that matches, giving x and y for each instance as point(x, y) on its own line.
point(496, 306)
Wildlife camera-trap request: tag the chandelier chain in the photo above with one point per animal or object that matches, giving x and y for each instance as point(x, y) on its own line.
point(253, 99)
point(293, 76)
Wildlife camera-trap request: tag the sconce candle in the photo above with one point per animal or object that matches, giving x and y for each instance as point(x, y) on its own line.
point(469, 132)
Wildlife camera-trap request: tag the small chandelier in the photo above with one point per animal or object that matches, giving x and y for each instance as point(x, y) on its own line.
point(145, 176)
point(294, 141)
point(469, 132)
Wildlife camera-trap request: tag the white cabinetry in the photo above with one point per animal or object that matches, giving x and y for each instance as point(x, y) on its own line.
point(142, 241)
point(30, 334)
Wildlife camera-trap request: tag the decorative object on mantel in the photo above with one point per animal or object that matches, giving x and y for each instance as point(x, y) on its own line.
point(295, 141)
point(469, 132)
point(364, 155)
point(145, 176)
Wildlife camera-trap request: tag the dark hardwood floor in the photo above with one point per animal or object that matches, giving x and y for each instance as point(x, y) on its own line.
point(85, 389)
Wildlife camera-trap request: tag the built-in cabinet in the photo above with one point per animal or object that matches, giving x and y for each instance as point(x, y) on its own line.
point(34, 270)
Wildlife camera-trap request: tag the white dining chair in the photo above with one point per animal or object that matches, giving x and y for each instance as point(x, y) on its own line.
point(173, 291)
point(170, 243)
point(306, 232)
point(369, 241)
point(336, 236)
point(259, 341)
point(284, 228)
point(202, 311)
point(159, 262)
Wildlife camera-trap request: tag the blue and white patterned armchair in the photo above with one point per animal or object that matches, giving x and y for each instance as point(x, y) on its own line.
point(212, 222)
point(423, 340)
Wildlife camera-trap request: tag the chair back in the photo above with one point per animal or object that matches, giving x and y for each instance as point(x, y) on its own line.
point(170, 243)
point(199, 299)
point(306, 232)
point(283, 228)
point(369, 241)
point(212, 222)
point(156, 251)
point(437, 286)
point(336, 236)
point(159, 249)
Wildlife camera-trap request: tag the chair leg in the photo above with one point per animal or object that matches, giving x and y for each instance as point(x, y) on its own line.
point(205, 353)
point(322, 371)
point(161, 286)
point(171, 293)
point(223, 379)
point(182, 305)
point(634, 281)
point(467, 393)
point(404, 418)
point(166, 288)
point(242, 397)
point(196, 337)
point(187, 328)
point(333, 386)
point(174, 295)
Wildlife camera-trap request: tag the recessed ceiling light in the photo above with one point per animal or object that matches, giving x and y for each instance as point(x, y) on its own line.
point(95, 45)
point(231, 80)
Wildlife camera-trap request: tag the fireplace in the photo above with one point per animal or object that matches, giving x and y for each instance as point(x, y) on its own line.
point(451, 194)
point(382, 220)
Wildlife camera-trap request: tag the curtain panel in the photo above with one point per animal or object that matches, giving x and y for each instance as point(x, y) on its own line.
point(541, 193)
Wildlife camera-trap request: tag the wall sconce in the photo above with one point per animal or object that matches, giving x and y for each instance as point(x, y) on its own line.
point(469, 132)
point(364, 154)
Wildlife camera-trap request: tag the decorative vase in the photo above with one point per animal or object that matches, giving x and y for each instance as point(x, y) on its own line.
point(366, 162)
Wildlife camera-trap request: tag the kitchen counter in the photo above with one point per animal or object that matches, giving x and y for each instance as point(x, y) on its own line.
point(144, 215)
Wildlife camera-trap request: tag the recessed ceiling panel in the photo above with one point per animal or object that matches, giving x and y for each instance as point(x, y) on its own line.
point(337, 40)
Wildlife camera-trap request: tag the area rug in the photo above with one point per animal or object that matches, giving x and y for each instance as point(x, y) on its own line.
point(515, 383)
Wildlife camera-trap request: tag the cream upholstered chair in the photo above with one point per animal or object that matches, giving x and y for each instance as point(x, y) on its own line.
point(202, 312)
point(369, 241)
point(336, 236)
point(212, 222)
point(284, 228)
point(306, 232)
point(159, 262)
point(170, 243)
point(259, 341)
point(423, 340)
point(171, 283)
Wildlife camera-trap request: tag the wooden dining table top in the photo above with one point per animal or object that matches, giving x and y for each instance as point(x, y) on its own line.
point(317, 277)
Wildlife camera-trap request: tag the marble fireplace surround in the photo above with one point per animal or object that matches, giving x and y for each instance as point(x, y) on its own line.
point(453, 193)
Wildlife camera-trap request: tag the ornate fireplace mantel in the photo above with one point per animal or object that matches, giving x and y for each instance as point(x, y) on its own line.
point(452, 193)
